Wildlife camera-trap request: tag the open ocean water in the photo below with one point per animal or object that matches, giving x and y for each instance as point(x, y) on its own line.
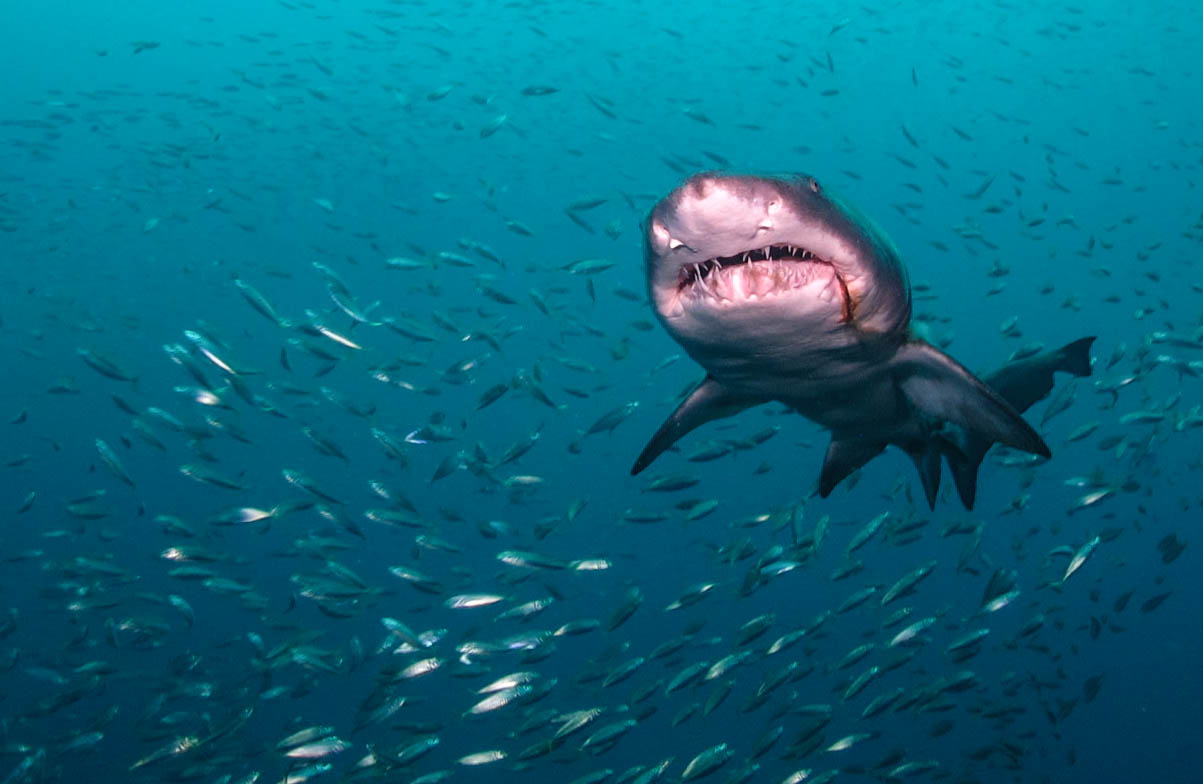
point(327, 351)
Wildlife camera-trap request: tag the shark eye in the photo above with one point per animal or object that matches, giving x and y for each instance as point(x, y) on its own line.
point(814, 185)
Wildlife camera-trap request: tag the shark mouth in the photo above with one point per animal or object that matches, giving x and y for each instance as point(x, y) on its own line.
point(763, 273)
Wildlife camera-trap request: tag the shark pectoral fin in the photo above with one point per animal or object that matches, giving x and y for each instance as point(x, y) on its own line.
point(708, 401)
point(926, 456)
point(940, 387)
point(1075, 357)
point(843, 457)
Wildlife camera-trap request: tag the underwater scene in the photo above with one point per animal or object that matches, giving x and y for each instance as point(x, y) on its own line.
point(600, 393)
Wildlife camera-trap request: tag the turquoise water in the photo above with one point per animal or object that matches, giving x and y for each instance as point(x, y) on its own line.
point(392, 246)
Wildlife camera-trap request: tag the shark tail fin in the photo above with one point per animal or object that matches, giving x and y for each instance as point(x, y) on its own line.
point(1075, 357)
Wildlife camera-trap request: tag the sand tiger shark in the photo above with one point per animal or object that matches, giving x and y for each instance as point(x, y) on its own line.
point(783, 292)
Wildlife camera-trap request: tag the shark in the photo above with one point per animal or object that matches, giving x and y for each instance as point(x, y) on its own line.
point(783, 292)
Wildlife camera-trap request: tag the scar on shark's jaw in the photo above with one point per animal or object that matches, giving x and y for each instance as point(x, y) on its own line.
point(763, 272)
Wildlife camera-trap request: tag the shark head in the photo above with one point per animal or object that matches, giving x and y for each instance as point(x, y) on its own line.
point(735, 261)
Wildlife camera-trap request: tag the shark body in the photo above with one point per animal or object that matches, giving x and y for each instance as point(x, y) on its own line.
point(782, 292)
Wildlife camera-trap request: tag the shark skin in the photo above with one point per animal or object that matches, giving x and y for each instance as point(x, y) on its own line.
point(783, 292)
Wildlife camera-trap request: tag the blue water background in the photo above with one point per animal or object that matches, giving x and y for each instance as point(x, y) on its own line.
point(1085, 116)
